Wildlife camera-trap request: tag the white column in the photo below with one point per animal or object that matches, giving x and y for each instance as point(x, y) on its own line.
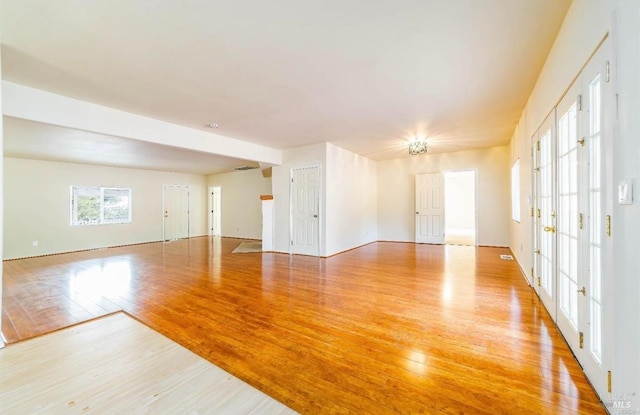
point(267, 223)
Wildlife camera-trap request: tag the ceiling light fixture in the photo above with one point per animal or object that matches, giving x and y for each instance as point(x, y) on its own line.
point(418, 145)
point(213, 125)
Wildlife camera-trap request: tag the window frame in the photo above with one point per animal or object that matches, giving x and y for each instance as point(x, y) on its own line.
point(73, 217)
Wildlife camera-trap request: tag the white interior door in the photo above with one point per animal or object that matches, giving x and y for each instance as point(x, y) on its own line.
point(545, 215)
point(430, 208)
point(215, 211)
point(176, 212)
point(305, 206)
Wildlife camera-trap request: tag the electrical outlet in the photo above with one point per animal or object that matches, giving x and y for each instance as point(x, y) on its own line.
point(35, 243)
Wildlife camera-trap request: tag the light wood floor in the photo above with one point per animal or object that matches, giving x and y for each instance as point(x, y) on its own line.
point(386, 328)
point(115, 365)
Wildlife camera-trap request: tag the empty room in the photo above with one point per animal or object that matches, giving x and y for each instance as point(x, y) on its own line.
point(370, 207)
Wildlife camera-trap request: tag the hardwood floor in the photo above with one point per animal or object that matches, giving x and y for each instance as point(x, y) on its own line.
point(82, 368)
point(386, 328)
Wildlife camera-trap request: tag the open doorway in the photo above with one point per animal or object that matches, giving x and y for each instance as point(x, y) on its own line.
point(460, 207)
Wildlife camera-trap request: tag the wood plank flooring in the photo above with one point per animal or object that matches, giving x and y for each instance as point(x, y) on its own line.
point(117, 365)
point(385, 328)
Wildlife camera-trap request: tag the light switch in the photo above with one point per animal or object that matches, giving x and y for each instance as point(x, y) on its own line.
point(625, 192)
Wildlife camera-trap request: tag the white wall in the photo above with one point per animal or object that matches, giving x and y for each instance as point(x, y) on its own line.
point(314, 155)
point(396, 192)
point(37, 199)
point(241, 208)
point(585, 25)
point(351, 200)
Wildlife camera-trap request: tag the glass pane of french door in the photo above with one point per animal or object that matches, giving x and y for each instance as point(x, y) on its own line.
point(547, 213)
point(567, 232)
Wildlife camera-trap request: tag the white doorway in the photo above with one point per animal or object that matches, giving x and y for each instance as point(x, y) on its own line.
point(176, 212)
point(305, 207)
point(430, 214)
point(460, 207)
point(215, 211)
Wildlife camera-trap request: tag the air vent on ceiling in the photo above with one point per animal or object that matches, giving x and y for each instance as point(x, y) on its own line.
point(241, 168)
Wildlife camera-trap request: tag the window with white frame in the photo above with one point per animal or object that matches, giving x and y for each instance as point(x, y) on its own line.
point(515, 191)
point(92, 205)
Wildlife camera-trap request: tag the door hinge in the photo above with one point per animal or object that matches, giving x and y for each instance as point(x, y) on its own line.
point(538, 213)
point(292, 180)
point(531, 212)
point(291, 243)
point(608, 221)
point(607, 75)
point(532, 276)
point(539, 282)
point(580, 220)
point(579, 102)
point(609, 388)
point(581, 340)
point(538, 145)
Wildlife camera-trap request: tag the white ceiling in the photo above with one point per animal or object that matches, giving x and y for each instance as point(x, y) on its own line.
point(363, 74)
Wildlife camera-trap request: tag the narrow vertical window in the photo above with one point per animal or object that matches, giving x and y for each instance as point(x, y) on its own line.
point(515, 191)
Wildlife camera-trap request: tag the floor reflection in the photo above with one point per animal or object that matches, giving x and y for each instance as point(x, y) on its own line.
point(110, 280)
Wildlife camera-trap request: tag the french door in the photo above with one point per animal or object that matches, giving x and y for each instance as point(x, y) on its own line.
point(595, 285)
point(545, 214)
point(571, 225)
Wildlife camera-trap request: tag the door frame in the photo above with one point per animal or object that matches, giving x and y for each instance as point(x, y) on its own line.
point(164, 188)
point(320, 205)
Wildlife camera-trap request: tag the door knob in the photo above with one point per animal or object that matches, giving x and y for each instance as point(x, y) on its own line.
point(583, 291)
point(315, 216)
point(551, 229)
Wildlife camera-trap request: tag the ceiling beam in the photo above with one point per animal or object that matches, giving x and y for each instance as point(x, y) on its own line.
point(36, 105)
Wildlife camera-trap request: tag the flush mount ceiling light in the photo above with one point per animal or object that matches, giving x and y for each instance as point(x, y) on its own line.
point(212, 125)
point(418, 145)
